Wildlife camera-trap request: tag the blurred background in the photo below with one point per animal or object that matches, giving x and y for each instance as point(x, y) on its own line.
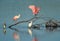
point(10, 8)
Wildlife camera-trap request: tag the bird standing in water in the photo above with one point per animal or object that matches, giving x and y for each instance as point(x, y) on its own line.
point(30, 24)
point(29, 29)
point(34, 9)
point(4, 28)
point(16, 17)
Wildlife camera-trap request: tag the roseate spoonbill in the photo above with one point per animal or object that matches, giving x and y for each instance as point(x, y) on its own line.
point(34, 9)
point(16, 17)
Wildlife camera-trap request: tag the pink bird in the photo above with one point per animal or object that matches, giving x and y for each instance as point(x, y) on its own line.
point(34, 9)
point(16, 36)
point(16, 17)
point(35, 39)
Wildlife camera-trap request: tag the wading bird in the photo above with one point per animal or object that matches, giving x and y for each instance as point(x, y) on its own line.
point(30, 24)
point(29, 28)
point(34, 9)
point(4, 28)
point(16, 17)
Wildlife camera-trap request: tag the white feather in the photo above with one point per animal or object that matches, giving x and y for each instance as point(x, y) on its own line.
point(30, 24)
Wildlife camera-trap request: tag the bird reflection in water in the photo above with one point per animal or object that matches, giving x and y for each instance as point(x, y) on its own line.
point(16, 36)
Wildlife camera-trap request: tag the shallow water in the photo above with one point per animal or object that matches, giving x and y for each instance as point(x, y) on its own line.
point(10, 8)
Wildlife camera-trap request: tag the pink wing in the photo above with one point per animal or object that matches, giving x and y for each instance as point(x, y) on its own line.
point(16, 17)
point(34, 9)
